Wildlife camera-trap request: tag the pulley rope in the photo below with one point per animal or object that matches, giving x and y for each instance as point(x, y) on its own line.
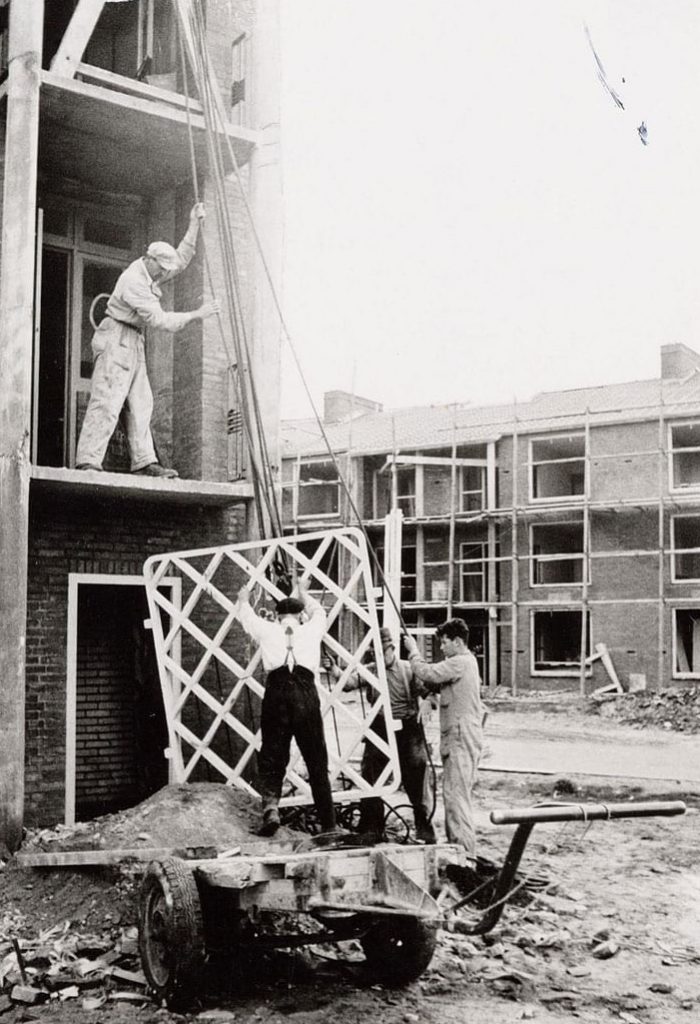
point(265, 495)
point(216, 129)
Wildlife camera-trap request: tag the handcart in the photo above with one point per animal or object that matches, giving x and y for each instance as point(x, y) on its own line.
point(388, 896)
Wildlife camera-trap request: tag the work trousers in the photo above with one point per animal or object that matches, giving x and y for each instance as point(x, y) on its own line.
point(291, 709)
point(413, 762)
point(460, 760)
point(119, 386)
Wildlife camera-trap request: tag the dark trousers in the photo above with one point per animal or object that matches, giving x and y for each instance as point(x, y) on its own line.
point(413, 762)
point(291, 709)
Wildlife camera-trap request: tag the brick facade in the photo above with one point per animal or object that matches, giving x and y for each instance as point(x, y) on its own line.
point(89, 536)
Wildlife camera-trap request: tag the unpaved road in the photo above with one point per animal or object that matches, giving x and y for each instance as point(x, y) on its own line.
point(636, 881)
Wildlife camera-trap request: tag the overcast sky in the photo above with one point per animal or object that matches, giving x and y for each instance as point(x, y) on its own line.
point(469, 216)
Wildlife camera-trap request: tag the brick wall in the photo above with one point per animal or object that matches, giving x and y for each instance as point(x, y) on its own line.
point(93, 536)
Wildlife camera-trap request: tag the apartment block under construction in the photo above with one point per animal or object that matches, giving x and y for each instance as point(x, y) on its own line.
point(564, 530)
point(108, 143)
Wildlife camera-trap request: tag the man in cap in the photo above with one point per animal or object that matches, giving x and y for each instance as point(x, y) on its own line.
point(120, 382)
point(410, 743)
point(291, 654)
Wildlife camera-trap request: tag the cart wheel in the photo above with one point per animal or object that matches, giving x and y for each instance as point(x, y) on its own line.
point(171, 932)
point(399, 950)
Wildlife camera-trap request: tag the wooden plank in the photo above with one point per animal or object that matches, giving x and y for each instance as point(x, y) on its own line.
point(87, 858)
point(76, 37)
point(131, 86)
point(16, 337)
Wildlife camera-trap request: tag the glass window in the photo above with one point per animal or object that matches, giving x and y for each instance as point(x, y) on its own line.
point(473, 488)
point(686, 643)
point(102, 231)
point(473, 572)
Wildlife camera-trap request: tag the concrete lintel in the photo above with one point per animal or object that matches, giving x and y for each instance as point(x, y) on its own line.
point(89, 483)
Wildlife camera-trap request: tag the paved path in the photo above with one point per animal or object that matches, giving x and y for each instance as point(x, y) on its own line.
point(603, 749)
point(564, 744)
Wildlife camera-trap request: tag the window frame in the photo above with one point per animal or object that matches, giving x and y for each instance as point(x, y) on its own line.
point(673, 552)
point(581, 556)
point(570, 673)
point(532, 464)
point(675, 673)
point(299, 484)
point(484, 570)
point(682, 488)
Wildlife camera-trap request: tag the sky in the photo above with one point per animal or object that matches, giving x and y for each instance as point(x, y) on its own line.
point(469, 217)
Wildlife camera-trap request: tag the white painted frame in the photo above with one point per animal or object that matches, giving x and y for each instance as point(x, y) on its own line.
point(561, 556)
point(76, 580)
point(532, 463)
point(672, 452)
point(675, 672)
point(683, 551)
point(575, 671)
point(253, 560)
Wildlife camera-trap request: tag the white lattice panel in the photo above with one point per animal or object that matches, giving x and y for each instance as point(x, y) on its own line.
point(211, 672)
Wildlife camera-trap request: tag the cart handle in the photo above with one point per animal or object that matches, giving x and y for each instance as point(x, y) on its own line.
point(587, 812)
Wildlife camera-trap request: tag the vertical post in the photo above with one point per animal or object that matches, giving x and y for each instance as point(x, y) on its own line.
point(515, 568)
point(586, 560)
point(16, 336)
point(453, 501)
point(393, 526)
point(661, 606)
point(268, 210)
point(491, 564)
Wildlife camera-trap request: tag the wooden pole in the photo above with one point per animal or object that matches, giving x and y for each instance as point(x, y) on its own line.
point(586, 560)
point(515, 564)
point(16, 336)
point(453, 501)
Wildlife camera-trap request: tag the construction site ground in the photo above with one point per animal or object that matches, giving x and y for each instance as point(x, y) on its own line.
point(614, 935)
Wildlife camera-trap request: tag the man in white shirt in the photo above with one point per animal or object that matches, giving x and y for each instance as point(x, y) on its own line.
point(291, 709)
point(120, 382)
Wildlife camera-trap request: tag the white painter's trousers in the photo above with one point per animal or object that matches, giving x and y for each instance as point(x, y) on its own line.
point(119, 382)
point(460, 754)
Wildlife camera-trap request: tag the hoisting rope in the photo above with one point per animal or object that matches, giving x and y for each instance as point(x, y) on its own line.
point(193, 39)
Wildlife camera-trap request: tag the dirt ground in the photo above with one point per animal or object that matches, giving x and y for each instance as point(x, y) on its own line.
point(632, 888)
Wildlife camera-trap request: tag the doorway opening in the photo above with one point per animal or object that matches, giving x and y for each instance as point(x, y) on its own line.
point(117, 733)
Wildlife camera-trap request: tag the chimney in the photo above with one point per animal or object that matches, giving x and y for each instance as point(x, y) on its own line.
point(678, 361)
point(341, 406)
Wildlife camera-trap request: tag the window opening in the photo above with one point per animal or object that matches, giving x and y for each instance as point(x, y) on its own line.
point(557, 642)
point(473, 572)
point(685, 455)
point(319, 490)
point(473, 488)
point(551, 544)
point(557, 467)
point(687, 643)
point(686, 536)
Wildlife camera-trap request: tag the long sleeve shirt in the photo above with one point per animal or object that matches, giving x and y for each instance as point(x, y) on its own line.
point(136, 296)
point(304, 640)
point(457, 681)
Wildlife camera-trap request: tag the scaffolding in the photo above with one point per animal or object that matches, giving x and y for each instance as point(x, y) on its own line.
point(676, 489)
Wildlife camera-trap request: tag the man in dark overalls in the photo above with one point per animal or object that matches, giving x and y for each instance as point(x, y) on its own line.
point(291, 709)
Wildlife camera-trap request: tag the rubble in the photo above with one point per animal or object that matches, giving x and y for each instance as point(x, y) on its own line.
point(676, 709)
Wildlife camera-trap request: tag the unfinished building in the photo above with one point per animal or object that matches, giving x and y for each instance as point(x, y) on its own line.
point(105, 151)
point(558, 529)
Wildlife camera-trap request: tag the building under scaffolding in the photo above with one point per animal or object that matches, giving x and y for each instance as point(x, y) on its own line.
point(558, 528)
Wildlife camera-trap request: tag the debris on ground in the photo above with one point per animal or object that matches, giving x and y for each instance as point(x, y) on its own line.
point(677, 709)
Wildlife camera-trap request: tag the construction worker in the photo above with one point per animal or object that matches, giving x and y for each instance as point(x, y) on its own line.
point(120, 382)
point(291, 709)
point(457, 681)
point(410, 743)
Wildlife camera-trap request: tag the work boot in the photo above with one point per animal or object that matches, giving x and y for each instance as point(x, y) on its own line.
point(155, 469)
point(425, 833)
point(271, 822)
